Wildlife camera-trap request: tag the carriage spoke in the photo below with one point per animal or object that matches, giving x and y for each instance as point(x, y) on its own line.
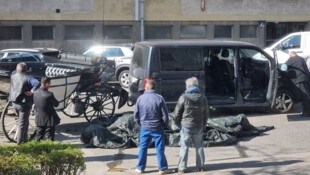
point(14, 127)
point(105, 114)
point(92, 116)
point(90, 111)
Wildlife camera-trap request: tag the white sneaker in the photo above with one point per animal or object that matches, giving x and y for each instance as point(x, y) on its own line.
point(138, 171)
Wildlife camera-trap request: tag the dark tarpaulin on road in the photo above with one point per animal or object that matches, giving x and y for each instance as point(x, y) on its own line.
point(123, 131)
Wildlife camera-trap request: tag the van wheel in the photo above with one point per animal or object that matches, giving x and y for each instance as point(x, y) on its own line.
point(123, 78)
point(284, 102)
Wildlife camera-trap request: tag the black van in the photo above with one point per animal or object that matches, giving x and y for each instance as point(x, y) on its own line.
point(231, 73)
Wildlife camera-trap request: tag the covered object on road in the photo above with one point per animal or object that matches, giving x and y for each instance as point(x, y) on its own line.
point(123, 131)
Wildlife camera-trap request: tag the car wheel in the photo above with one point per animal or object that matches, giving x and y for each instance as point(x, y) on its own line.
point(123, 78)
point(284, 102)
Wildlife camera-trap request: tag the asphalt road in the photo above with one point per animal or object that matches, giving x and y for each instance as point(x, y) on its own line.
point(284, 150)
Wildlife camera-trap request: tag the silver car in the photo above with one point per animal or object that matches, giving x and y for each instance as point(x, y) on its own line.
point(121, 54)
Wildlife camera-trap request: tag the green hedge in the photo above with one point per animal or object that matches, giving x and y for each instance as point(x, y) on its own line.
point(45, 157)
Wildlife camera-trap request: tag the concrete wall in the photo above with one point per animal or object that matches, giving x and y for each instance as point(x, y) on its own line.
point(157, 10)
point(175, 13)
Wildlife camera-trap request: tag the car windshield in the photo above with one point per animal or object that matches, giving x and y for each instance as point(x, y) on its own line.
point(96, 50)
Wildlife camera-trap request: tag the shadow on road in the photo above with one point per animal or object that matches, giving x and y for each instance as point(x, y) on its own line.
point(251, 164)
point(297, 117)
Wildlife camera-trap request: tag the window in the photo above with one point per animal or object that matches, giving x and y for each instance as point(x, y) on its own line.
point(14, 58)
point(11, 33)
point(117, 32)
point(253, 55)
point(248, 31)
point(193, 32)
point(181, 59)
point(42, 32)
point(76, 32)
point(28, 57)
point(158, 32)
point(222, 31)
point(140, 56)
point(291, 42)
point(113, 52)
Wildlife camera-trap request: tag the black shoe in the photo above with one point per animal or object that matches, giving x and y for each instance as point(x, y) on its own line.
point(201, 169)
point(160, 172)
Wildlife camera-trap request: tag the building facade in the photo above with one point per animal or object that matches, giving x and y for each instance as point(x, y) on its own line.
point(76, 25)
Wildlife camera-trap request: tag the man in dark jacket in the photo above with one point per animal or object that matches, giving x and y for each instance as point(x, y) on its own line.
point(300, 75)
point(151, 114)
point(192, 111)
point(22, 87)
point(46, 116)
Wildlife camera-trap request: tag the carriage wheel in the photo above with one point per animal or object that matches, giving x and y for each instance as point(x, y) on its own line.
point(9, 123)
point(100, 105)
point(76, 96)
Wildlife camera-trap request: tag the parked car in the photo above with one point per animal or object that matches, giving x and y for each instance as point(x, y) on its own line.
point(35, 59)
point(120, 54)
point(231, 74)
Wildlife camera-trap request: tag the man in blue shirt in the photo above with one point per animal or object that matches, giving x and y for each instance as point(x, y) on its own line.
point(21, 89)
point(151, 114)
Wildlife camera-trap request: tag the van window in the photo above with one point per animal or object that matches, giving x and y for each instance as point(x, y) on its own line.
point(140, 56)
point(113, 52)
point(181, 59)
point(291, 42)
point(253, 54)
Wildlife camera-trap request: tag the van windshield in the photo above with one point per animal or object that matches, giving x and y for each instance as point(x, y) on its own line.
point(139, 59)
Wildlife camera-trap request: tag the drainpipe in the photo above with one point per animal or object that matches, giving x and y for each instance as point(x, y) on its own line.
point(137, 10)
point(142, 19)
point(139, 16)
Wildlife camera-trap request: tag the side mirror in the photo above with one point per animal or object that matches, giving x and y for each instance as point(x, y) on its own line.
point(283, 67)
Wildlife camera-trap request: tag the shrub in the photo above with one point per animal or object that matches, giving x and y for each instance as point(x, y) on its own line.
point(45, 157)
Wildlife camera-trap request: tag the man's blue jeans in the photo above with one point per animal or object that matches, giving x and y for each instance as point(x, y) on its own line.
point(146, 137)
point(189, 136)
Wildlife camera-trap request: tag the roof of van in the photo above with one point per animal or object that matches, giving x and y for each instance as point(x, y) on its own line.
point(194, 42)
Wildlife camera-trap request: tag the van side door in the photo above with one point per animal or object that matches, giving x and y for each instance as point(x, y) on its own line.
point(176, 65)
point(258, 77)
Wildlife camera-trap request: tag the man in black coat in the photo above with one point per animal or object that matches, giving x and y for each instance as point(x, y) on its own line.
point(46, 116)
point(300, 76)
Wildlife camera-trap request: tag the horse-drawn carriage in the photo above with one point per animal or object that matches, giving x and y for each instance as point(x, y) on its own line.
point(82, 88)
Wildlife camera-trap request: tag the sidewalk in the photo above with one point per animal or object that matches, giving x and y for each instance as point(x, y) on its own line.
point(284, 150)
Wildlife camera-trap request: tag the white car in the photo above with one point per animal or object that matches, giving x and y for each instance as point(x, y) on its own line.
point(121, 54)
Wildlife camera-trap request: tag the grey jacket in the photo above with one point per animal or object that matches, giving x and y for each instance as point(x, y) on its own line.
point(192, 109)
point(20, 83)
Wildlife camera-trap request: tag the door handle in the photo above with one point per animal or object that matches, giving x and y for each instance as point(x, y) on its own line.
point(299, 51)
point(197, 74)
point(156, 75)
